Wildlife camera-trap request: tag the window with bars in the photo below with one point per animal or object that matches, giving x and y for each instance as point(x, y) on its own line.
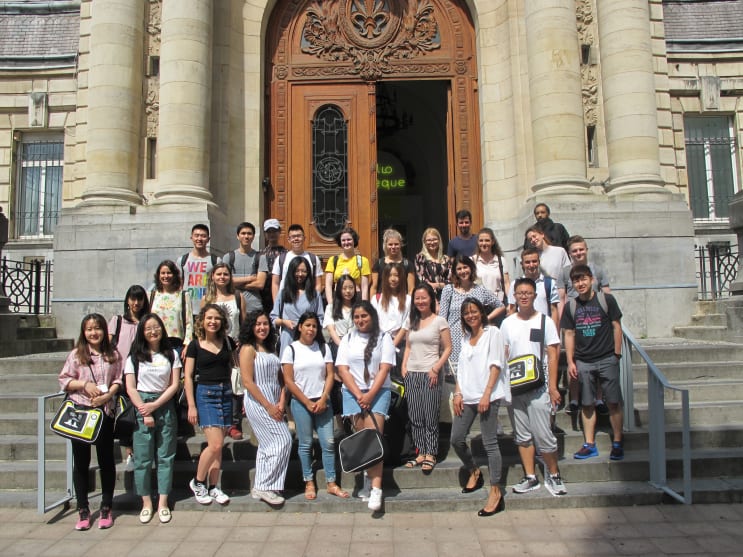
point(39, 191)
point(711, 165)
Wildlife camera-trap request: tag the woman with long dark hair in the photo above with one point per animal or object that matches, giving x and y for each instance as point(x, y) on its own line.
point(308, 375)
point(492, 268)
point(153, 373)
point(296, 297)
point(91, 376)
point(482, 384)
point(265, 406)
point(172, 304)
point(427, 349)
point(365, 357)
point(121, 331)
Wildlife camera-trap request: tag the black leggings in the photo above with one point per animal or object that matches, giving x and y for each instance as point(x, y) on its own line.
point(104, 448)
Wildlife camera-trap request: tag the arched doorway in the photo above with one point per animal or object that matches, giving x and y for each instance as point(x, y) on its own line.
point(373, 118)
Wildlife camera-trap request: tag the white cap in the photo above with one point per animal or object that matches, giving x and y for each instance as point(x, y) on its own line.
point(270, 224)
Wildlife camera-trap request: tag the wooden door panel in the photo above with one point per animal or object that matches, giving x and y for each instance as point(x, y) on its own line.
point(356, 103)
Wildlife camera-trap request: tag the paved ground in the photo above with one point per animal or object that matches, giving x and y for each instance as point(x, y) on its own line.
point(646, 530)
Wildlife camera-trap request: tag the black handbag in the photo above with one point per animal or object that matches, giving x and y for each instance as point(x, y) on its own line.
point(362, 449)
point(125, 417)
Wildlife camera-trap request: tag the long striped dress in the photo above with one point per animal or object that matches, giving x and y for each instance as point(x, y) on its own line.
point(274, 438)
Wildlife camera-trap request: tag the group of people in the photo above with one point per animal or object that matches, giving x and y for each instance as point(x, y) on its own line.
point(322, 343)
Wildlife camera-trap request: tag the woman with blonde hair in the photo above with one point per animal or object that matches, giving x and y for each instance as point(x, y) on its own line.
point(431, 264)
point(392, 246)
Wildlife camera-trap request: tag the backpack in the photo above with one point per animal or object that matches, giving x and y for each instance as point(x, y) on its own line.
point(311, 261)
point(182, 263)
point(358, 262)
point(600, 296)
point(231, 262)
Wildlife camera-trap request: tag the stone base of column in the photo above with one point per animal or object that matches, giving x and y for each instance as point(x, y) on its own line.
point(183, 195)
point(644, 243)
point(110, 196)
point(98, 256)
point(641, 183)
point(561, 185)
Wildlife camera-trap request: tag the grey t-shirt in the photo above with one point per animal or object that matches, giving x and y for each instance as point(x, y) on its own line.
point(599, 279)
point(244, 265)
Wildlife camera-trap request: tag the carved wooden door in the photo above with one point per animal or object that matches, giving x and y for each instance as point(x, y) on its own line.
point(331, 153)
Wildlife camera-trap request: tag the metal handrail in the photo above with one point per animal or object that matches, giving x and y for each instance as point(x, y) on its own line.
point(41, 428)
point(657, 382)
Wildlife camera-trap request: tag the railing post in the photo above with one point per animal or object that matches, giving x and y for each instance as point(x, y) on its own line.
point(37, 285)
point(627, 382)
point(656, 431)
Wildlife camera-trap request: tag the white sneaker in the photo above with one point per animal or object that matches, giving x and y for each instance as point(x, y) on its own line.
point(375, 499)
point(219, 496)
point(270, 497)
point(129, 466)
point(200, 492)
point(555, 485)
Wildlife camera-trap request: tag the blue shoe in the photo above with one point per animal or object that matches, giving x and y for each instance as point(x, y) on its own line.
point(587, 451)
point(617, 451)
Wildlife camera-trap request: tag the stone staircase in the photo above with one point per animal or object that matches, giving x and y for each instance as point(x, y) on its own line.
point(712, 371)
point(29, 334)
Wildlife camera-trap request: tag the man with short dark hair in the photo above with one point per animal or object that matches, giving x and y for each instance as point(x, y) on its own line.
point(555, 232)
point(196, 265)
point(529, 332)
point(547, 298)
point(593, 346)
point(464, 242)
point(245, 264)
point(295, 234)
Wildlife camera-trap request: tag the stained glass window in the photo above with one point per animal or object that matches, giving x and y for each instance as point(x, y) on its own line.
point(329, 170)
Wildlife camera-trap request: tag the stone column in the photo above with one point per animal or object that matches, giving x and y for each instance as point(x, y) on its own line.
point(114, 103)
point(555, 97)
point(185, 102)
point(628, 85)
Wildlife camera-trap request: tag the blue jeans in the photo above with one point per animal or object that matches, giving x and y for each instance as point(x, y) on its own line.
point(306, 422)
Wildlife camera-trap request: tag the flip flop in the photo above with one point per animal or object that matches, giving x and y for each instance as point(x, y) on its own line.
point(428, 465)
point(413, 462)
point(338, 492)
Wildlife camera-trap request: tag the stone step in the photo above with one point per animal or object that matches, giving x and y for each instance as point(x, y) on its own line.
point(35, 346)
point(706, 319)
point(48, 362)
point(238, 476)
point(680, 350)
point(24, 402)
point(703, 332)
point(701, 413)
point(34, 333)
point(689, 371)
point(40, 384)
point(708, 390)
point(620, 493)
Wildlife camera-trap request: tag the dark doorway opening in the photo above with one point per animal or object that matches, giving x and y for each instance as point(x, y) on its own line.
point(412, 160)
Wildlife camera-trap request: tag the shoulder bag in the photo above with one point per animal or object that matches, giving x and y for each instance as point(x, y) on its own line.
point(527, 372)
point(362, 449)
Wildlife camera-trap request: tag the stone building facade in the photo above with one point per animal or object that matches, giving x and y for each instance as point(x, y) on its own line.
point(163, 113)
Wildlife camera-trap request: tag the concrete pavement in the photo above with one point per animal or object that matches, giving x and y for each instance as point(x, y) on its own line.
point(646, 530)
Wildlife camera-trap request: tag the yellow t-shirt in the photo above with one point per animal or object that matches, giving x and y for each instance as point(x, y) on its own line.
point(348, 267)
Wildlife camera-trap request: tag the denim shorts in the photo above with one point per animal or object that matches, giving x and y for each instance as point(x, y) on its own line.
point(380, 405)
point(214, 404)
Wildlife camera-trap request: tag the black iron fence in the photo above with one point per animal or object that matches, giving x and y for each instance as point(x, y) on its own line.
point(28, 285)
point(717, 267)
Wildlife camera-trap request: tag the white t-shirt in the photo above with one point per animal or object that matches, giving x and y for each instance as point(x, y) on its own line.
point(473, 368)
point(351, 354)
point(310, 257)
point(393, 319)
point(154, 376)
point(489, 274)
point(309, 366)
point(552, 260)
point(517, 335)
